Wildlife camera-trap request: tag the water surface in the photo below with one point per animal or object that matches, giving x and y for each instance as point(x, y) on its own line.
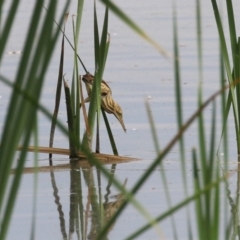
point(136, 73)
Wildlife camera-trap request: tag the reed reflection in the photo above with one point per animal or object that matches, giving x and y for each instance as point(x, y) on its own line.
point(59, 205)
point(232, 220)
point(89, 207)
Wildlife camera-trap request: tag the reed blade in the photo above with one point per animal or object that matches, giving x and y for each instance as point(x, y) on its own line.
point(58, 93)
point(226, 61)
point(130, 23)
point(71, 124)
point(5, 29)
point(30, 76)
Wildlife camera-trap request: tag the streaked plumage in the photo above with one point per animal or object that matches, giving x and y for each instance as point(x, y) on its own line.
point(107, 103)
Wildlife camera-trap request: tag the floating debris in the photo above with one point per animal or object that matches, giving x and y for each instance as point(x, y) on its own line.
point(14, 52)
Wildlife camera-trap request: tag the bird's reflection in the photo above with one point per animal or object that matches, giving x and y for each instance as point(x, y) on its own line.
point(87, 213)
point(110, 208)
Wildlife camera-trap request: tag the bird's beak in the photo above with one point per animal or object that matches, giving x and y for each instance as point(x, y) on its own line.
point(122, 123)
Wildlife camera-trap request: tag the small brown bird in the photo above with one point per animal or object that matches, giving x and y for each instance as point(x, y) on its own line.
point(107, 102)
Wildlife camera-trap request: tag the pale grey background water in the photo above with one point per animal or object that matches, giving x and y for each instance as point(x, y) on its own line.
point(135, 71)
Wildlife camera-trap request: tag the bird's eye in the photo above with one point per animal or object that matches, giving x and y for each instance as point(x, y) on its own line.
point(104, 94)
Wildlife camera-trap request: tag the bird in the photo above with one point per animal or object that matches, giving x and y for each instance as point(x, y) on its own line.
point(88, 79)
point(107, 102)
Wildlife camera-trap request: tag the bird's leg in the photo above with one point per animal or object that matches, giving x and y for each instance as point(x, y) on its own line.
point(86, 101)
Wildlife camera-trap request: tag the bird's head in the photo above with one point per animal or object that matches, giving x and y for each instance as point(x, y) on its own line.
point(88, 79)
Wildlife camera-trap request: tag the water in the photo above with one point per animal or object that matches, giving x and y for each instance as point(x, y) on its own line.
point(136, 73)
